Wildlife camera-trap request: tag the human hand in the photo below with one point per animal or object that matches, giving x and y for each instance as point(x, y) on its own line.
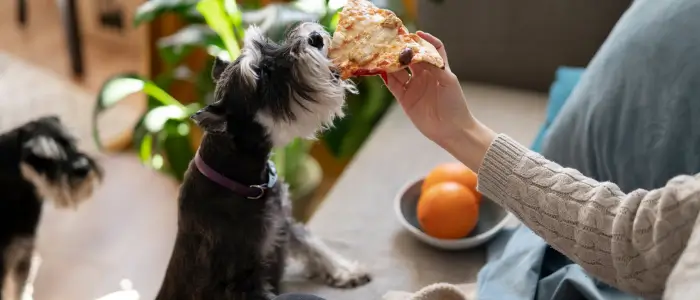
point(431, 97)
point(433, 100)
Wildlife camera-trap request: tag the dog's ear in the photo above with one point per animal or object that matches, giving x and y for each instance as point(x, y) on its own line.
point(210, 119)
point(218, 68)
point(44, 147)
point(251, 55)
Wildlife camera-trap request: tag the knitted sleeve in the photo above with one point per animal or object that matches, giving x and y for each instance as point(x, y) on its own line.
point(631, 241)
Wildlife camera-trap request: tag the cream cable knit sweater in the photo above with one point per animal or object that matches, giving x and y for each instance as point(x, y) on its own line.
point(633, 241)
point(636, 242)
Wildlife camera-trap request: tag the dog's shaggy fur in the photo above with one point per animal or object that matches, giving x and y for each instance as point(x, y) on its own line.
point(38, 161)
point(232, 247)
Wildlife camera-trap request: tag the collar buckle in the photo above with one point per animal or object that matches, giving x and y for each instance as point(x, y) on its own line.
point(261, 187)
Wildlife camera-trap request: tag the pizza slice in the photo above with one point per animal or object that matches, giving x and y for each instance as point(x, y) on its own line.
point(373, 41)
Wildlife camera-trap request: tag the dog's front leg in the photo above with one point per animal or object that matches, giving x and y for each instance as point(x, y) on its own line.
point(249, 284)
point(321, 261)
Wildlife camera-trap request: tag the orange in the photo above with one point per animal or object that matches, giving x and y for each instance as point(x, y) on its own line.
point(455, 172)
point(447, 210)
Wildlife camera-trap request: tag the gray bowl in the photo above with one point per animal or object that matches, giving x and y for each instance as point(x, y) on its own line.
point(492, 218)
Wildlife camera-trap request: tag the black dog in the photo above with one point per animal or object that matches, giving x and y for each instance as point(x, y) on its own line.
point(235, 225)
point(38, 161)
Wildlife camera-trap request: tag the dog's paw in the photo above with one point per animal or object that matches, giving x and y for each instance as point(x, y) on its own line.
point(347, 275)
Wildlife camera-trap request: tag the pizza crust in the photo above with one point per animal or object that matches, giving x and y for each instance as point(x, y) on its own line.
point(370, 41)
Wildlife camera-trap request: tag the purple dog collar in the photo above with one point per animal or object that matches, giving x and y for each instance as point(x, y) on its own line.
point(251, 192)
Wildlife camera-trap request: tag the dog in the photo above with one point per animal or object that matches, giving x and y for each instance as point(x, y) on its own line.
point(39, 161)
point(235, 227)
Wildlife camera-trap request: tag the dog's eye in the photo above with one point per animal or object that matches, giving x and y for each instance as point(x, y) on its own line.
point(316, 40)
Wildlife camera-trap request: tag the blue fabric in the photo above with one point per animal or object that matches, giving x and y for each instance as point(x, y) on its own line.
point(633, 119)
point(521, 266)
point(565, 80)
point(517, 256)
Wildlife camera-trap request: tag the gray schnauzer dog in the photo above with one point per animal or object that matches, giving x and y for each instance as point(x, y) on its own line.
point(235, 227)
point(38, 161)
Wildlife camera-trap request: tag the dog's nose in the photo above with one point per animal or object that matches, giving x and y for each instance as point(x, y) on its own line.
point(80, 167)
point(316, 40)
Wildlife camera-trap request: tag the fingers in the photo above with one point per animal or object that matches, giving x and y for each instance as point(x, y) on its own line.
point(445, 77)
point(415, 90)
point(402, 77)
point(437, 43)
point(396, 82)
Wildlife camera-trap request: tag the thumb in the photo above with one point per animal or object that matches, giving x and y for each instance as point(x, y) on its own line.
point(437, 43)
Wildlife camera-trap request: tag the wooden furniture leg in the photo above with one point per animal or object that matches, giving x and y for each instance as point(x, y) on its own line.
point(22, 12)
point(71, 26)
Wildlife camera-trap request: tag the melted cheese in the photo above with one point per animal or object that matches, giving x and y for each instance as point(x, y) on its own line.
point(358, 45)
point(369, 40)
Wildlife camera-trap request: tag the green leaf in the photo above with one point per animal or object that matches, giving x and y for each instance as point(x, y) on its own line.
point(290, 160)
point(364, 110)
point(278, 159)
point(174, 48)
point(154, 91)
point(219, 52)
point(150, 10)
point(118, 87)
point(176, 147)
point(275, 19)
point(165, 79)
point(366, 115)
point(215, 15)
point(139, 133)
point(234, 13)
point(204, 84)
point(317, 7)
point(156, 118)
point(336, 4)
point(330, 21)
point(146, 148)
point(296, 153)
point(236, 18)
point(251, 4)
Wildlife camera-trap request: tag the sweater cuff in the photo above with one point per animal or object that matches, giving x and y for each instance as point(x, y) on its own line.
point(500, 160)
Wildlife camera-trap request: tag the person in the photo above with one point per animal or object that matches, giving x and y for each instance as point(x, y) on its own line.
point(640, 242)
point(636, 242)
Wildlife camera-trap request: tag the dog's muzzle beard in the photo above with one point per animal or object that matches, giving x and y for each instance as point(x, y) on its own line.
point(294, 82)
point(66, 190)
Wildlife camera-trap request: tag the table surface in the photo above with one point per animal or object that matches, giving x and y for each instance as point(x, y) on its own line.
point(358, 217)
point(128, 233)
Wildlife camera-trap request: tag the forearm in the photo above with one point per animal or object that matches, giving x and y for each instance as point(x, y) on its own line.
point(469, 145)
point(630, 240)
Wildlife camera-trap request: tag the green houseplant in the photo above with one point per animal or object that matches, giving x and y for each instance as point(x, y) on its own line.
point(166, 140)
